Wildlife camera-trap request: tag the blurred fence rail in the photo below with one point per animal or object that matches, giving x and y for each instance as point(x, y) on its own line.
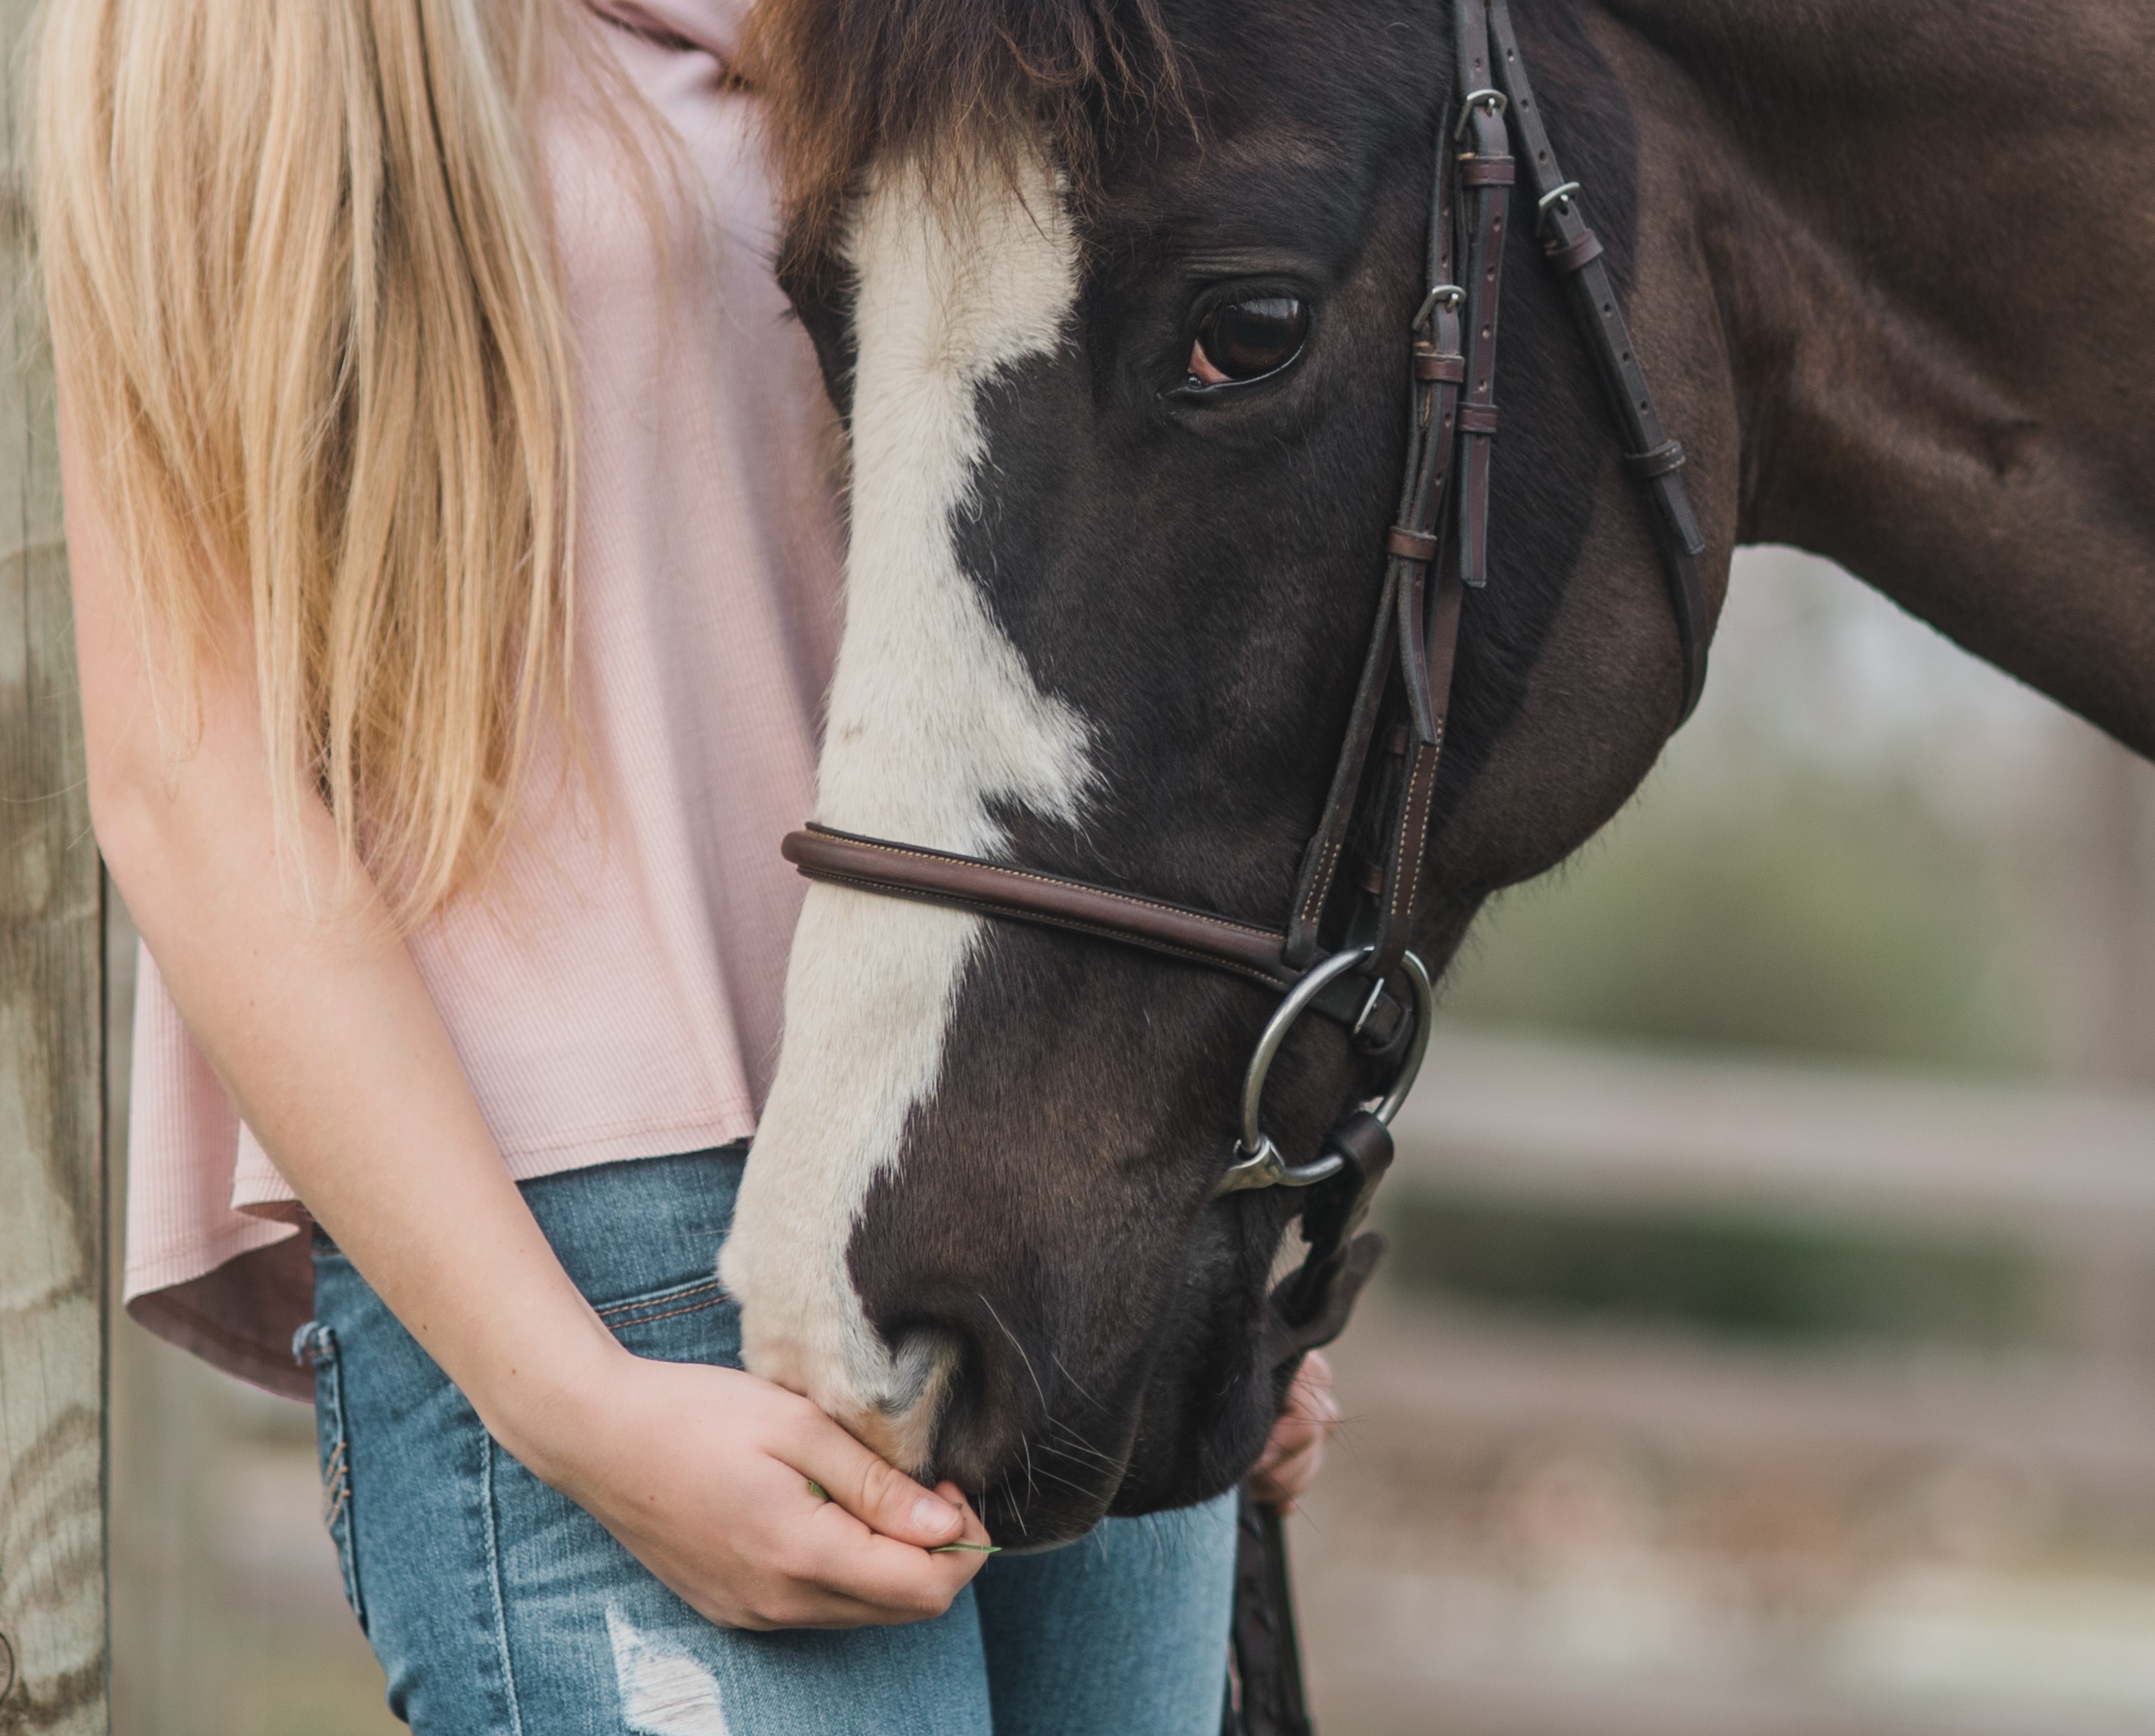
point(2055, 1185)
point(53, 1590)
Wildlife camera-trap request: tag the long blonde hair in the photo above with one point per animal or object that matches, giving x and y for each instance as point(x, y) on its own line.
point(308, 325)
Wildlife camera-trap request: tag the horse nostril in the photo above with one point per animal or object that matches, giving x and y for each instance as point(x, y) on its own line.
point(907, 1414)
point(921, 1370)
point(950, 1383)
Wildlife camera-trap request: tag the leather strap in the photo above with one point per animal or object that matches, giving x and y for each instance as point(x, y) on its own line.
point(1435, 645)
point(1485, 171)
point(1310, 1308)
point(934, 877)
point(1568, 257)
point(1304, 1302)
point(1321, 856)
point(1399, 642)
point(1269, 1698)
point(1645, 466)
point(1575, 251)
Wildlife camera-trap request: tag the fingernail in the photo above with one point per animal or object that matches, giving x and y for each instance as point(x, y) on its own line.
point(932, 1513)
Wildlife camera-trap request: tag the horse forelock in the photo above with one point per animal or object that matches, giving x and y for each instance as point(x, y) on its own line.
point(949, 86)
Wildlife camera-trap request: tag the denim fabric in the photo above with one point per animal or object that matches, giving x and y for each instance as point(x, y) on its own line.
point(499, 1608)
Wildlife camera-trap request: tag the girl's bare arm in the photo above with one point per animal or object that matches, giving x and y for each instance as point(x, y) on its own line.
point(317, 1021)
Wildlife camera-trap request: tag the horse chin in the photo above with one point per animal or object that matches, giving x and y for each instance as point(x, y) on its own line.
point(1202, 1411)
point(1027, 1512)
point(1172, 1463)
point(1025, 1518)
point(1202, 1429)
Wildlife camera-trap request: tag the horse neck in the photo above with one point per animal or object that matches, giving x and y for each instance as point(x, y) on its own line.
point(1922, 226)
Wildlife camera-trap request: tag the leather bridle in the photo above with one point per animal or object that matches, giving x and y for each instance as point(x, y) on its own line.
point(1344, 948)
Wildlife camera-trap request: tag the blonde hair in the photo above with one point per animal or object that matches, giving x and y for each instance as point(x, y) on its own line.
point(300, 270)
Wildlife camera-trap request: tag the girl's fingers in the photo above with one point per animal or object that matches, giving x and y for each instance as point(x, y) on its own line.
point(899, 1581)
point(1295, 1451)
point(868, 1529)
point(873, 1491)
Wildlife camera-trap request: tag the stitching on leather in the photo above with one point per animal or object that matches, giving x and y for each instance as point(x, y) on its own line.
point(1121, 897)
point(1408, 872)
point(1323, 882)
point(1443, 395)
point(998, 868)
point(623, 1307)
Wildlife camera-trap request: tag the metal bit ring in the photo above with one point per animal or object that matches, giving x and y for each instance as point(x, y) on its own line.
point(1258, 1161)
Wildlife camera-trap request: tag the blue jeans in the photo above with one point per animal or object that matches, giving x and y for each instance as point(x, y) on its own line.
point(499, 1608)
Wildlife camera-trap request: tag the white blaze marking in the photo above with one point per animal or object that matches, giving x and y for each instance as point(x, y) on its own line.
point(663, 1693)
point(933, 717)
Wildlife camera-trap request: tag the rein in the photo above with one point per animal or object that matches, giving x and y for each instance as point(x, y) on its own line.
point(1344, 948)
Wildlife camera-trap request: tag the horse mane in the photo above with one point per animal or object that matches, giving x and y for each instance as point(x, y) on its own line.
point(954, 86)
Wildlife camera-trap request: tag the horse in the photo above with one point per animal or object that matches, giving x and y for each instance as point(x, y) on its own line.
point(1116, 299)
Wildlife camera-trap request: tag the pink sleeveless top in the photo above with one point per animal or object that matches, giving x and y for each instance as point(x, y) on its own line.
point(614, 992)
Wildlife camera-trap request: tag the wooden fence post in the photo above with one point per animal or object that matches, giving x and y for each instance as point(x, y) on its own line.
point(53, 1288)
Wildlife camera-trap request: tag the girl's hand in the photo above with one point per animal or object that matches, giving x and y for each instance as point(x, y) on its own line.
point(1295, 1453)
point(705, 1473)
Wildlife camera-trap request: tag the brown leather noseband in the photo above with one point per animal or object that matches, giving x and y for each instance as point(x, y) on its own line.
point(1344, 948)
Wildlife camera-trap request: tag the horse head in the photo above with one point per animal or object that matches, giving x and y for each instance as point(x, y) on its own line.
point(1117, 300)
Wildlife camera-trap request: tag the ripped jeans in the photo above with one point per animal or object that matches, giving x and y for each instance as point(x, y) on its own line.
point(499, 1608)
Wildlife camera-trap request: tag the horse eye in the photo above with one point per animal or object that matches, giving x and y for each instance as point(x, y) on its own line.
point(1248, 339)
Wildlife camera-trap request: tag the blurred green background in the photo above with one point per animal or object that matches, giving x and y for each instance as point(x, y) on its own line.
point(1865, 847)
point(1813, 910)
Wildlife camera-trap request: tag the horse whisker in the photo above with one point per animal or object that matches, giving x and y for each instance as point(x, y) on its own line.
point(1083, 1391)
point(1032, 1373)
